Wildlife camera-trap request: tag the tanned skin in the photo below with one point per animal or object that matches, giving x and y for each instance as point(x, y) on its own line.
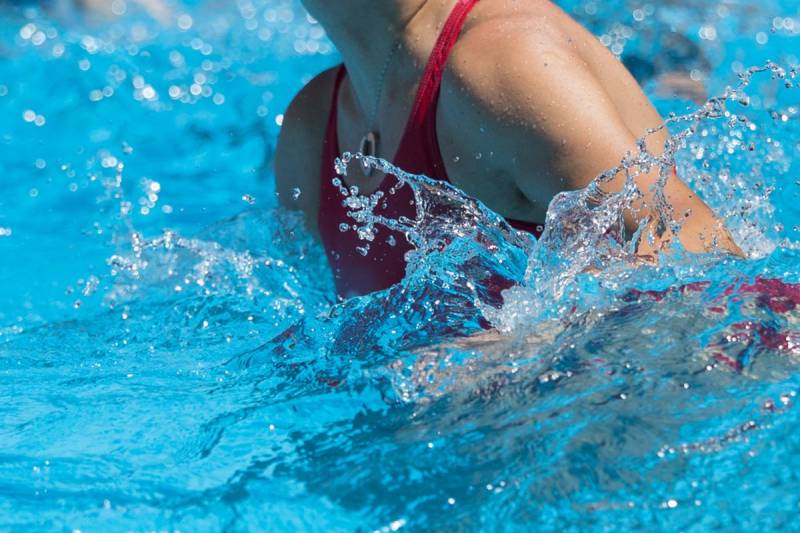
point(532, 105)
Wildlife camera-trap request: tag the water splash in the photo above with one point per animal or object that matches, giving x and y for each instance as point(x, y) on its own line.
point(585, 233)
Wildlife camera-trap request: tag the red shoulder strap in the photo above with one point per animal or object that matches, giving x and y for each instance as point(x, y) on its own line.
point(432, 76)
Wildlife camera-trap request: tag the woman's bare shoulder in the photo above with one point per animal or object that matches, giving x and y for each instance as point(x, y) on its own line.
point(312, 104)
point(306, 117)
point(299, 151)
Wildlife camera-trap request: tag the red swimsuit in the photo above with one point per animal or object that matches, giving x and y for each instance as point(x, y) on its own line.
point(419, 153)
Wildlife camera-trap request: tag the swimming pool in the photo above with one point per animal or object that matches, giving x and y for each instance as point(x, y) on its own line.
point(172, 356)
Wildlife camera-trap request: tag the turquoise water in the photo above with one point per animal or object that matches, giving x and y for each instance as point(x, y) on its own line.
point(172, 355)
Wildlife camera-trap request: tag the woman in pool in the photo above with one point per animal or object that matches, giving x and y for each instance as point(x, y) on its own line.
point(511, 101)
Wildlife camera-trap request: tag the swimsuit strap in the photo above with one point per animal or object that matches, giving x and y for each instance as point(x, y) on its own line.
point(431, 81)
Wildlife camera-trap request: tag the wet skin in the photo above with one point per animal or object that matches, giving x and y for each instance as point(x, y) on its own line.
point(531, 105)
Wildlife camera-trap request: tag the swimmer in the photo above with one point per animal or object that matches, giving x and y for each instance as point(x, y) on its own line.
point(512, 102)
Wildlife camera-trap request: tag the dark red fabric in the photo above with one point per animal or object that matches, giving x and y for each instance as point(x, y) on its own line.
point(418, 153)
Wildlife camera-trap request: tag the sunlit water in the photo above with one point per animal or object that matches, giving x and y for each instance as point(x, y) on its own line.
point(172, 355)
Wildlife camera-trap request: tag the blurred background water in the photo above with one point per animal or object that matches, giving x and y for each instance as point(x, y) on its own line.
point(171, 355)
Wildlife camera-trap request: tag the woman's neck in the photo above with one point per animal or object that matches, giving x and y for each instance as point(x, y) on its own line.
point(366, 31)
point(359, 29)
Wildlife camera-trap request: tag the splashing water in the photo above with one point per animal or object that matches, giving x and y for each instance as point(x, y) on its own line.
point(211, 380)
point(585, 231)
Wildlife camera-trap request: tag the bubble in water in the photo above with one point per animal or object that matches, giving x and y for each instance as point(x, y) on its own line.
point(91, 285)
point(341, 169)
point(249, 199)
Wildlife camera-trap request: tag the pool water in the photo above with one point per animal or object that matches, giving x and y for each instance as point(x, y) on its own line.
point(173, 356)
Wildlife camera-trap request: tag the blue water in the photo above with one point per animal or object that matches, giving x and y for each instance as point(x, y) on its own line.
point(173, 357)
